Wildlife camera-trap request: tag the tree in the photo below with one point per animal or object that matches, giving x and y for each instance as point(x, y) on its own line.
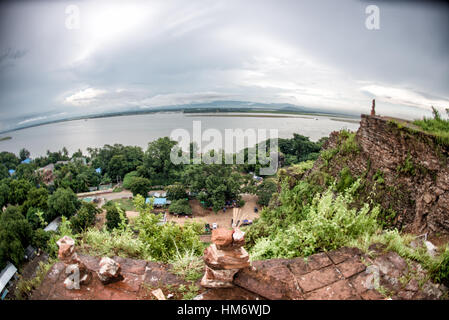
point(176, 191)
point(9, 160)
point(180, 206)
point(4, 192)
point(18, 191)
point(40, 239)
point(37, 198)
point(85, 217)
point(63, 202)
point(15, 234)
point(157, 164)
point(24, 154)
point(128, 179)
point(4, 173)
point(117, 167)
point(140, 186)
point(114, 217)
point(265, 190)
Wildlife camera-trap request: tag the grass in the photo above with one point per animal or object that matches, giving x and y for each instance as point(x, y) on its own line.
point(187, 265)
point(437, 126)
point(125, 204)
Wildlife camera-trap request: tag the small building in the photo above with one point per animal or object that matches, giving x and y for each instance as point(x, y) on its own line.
point(8, 273)
point(27, 161)
point(11, 172)
point(98, 170)
point(157, 202)
point(54, 225)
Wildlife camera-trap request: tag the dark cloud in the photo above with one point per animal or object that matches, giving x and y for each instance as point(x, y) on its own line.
point(147, 53)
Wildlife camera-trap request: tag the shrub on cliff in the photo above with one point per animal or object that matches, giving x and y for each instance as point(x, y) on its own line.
point(326, 223)
point(437, 126)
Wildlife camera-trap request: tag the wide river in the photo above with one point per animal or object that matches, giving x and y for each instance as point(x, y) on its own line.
point(138, 130)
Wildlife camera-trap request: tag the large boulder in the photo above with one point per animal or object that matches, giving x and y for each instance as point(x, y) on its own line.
point(110, 271)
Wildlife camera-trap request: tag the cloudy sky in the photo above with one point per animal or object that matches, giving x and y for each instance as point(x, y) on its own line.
point(64, 58)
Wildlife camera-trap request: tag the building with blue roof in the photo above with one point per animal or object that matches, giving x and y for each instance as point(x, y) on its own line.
point(27, 160)
point(11, 171)
point(158, 202)
point(98, 170)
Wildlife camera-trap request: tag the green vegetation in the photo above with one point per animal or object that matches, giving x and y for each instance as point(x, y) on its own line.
point(140, 185)
point(437, 126)
point(408, 167)
point(124, 204)
point(180, 206)
point(265, 191)
point(324, 223)
point(85, 217)
point(115, 217)
point(5, 138)
point(187, 265)
point(25, 287)
point(144, 238)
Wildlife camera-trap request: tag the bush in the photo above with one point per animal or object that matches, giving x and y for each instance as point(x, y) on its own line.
point(176, 192)
point(326, 223)
point(40, 239)
point(117, 242)
point(187, 265)
point(128, 179)
point(85, 217)
point(115, 217)
point(345, 180)
point(180, 207)
point(439, 270)
point(140, 186)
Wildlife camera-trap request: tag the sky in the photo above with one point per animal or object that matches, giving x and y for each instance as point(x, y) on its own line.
point(68, 58)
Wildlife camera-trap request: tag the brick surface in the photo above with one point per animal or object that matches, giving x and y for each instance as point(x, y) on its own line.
point(351, 267)
point(340, 290)
point(319, 278)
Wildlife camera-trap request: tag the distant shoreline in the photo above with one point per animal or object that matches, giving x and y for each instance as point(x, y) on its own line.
point(191, 112)
point(5, 138)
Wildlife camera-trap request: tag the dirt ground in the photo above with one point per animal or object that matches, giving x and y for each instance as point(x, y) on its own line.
point(223, 219)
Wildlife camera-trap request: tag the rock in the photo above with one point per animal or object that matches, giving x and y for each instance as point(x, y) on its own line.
point(218, 278)
point(222, 237)
point(427, 198)
point(73, 281)
point(238, 238)
point(66, 247)
point(109, 271)
point(220, 259)
point(170, 295)
point(224, 258)
point(158, 294)
point(431, 249)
